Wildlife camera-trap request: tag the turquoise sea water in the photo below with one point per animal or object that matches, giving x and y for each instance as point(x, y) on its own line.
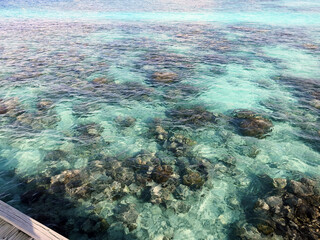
point(78, 93)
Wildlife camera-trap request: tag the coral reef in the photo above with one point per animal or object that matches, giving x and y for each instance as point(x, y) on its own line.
point(251, 124)
point(290, 210)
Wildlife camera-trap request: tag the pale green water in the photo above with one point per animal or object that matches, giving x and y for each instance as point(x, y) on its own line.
point(262, 59)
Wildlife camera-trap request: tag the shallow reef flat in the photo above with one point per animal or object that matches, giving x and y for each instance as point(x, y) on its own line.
point(161, 130)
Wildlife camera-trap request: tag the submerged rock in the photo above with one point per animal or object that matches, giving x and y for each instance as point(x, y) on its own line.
point(144, 158)
point(125, 121)
point(279, 183)
point(162, 173)
point(159, 194)
point(10, 107)
point(45, 121)
point(193, 179)
point(25, 119)
point(274, 202)
point(115, 191)
point(315, 103)
point(261, 205)
point(251, 124)
point(292, 211)
point(94, 224)
point(179, 144)
point(265, 229)
point(158, 131)
point(310, 46)
point(44, 105)
point(38, 121)
point(162, 192)
point(72, 182)
point(300, 189)
point(196, 116)
point(124, 175)
point(66, 176)
point(164, 77)
point(3, 107)
point(101, 81)
point(127, 214)
point(97, 166)
point(89, 130)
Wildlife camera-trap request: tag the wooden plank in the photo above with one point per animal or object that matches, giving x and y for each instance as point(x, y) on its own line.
point(10, 232)
point(26, 224)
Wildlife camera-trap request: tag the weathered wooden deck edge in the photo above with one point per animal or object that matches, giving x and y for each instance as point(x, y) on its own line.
point(26, 224)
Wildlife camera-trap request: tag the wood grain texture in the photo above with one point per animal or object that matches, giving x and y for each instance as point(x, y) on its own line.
point(26, 224)
point(8, 231)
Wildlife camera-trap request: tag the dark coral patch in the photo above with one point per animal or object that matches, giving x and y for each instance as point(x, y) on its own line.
point(251, 124)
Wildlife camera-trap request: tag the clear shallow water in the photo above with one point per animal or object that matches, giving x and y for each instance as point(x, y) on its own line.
point(78, 87)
